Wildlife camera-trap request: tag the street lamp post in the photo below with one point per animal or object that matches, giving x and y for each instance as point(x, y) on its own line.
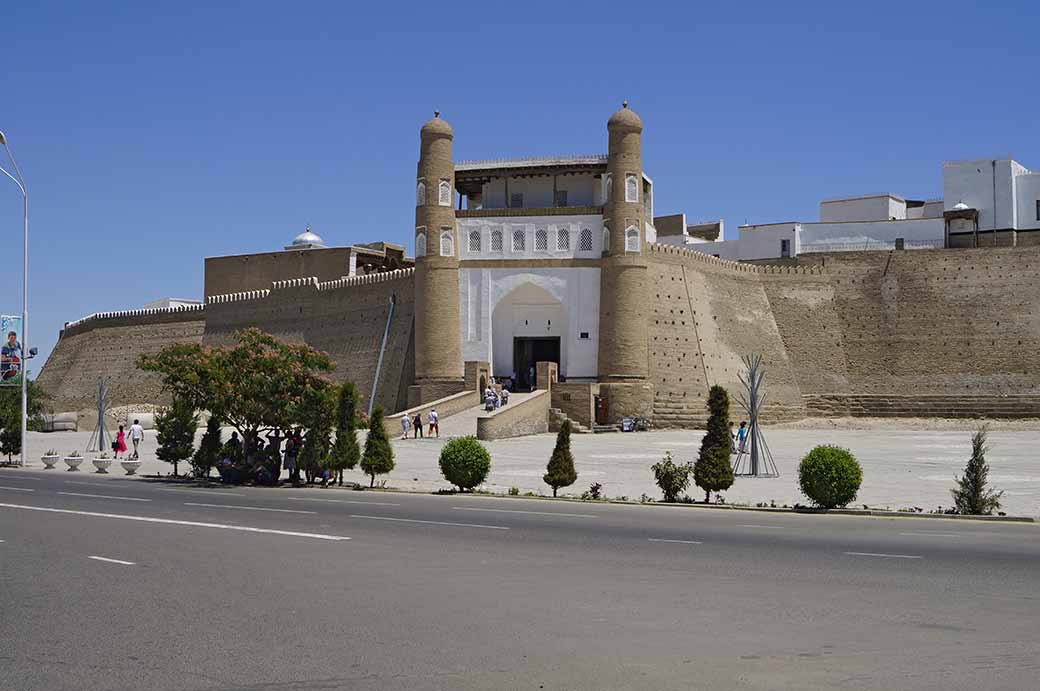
point(25, 282)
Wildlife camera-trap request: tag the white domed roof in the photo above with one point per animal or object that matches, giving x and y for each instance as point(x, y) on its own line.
point(960, 206)
point(306, 240)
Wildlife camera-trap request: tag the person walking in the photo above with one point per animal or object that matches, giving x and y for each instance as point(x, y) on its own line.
point(434, 420)
point(292, 450)
point(405, 424)
point(119, 445)
point(530, 378)
point(417, 426)
point(136, 437)
point(742, 432)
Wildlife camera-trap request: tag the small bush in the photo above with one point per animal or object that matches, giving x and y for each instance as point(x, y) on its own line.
point(594, 493)
point(830, 476)
point(378, 458)
point(972, 495)
point(465, 463)
point(672, 478)
point(560, 471)
point(514, 491)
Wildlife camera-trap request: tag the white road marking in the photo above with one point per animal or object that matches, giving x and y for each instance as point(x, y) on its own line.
point(343, 501)
point(684, 542)
point(214, 492)
point(22, 477)
point(245, 508)
point(535, 513)
point(884, 556)
point(170, 521)
point(18, 489)
point(926, 534)
point(85, 484)
point(416, 520)
point(755, 525)
point(101, 496)
point(112, 561)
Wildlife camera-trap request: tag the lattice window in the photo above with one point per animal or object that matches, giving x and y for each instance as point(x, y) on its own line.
point(585, 240)
point(496, 240)
point(541, 240)
point(563, 240)
point(474, 242)
point(631, 188)
point(606, 239)
point(447, 244)
point(519, 240)
point(444, 196)
point(632, 239)
point(607, 184)
point(420, 194)
point(420, 242)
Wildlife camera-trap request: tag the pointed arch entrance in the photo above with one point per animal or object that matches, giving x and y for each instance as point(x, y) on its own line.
point(529, 324)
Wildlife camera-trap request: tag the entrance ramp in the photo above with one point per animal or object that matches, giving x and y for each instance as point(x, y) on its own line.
point(464, 423)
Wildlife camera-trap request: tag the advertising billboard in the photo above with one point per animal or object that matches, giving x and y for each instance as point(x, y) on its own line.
point(11, 360)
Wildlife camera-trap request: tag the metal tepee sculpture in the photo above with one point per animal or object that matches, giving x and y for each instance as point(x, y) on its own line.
point(754, 458)
point(100, 438)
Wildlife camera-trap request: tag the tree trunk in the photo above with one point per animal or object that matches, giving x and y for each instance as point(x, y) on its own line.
point(373, 482)
point(707, 496)
point(554, 492)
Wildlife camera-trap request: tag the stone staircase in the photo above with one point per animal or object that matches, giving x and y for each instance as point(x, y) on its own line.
point(946, 406)
point(556, 418)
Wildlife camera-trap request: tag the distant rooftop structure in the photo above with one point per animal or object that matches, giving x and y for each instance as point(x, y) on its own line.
point(532, 162)
point(306, 240)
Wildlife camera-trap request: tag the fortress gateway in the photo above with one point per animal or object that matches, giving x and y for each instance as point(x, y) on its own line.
point(560, 260)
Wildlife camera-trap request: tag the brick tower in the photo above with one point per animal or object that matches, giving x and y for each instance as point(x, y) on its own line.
point(438, 344)
point(624, 295)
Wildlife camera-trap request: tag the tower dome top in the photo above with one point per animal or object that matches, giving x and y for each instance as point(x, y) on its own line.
point(437, 127)
point(306, 240)
point(625, 119)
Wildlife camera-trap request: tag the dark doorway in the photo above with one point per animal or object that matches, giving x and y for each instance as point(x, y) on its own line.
point(527, 351)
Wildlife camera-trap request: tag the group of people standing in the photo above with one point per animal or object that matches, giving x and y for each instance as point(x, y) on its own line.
point(263, 460)
point(433, 420)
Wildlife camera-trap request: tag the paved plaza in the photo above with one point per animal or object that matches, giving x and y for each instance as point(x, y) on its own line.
point(903, 464)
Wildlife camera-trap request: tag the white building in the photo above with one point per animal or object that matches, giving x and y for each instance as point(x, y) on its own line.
point(985, 202)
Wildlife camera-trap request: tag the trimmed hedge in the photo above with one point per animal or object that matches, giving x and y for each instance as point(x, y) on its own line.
point(830, 476)
point(465, 463)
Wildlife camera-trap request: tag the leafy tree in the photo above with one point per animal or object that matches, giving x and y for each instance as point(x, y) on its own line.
point(318, 415)
point(713, 472)
point(11, 409)
point(11, 440)
point(378, 458)
point(830, 476)
point(260, 383)
point(465, 462)
point(175, 432)
point(208, 453)
point(345, 451)
point(671, 477)
point(560, 472)
point(972, 494)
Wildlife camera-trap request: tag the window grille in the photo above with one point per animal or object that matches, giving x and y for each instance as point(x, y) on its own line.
point(607, 184)
point(474, 241)
point(496, 240)
point(541, 240)
point(585, 240)
point(563, 240)
point(606, 239)
point(516, 200)
point(447, 244)
point(561, 197)
point(420, 194)
point(420, 244)
point(518, 240)
point(445, 193)
point(631, 188)
point(631, 240)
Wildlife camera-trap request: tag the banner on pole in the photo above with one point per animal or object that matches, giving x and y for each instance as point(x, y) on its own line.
point(11, 359)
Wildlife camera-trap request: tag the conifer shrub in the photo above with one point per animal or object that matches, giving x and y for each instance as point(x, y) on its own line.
point(713, 471)
point(208, 453)
point(830, 476)
point(175, 432)
point(673, 478)
point(972, 494)
point(378, 458)
point(560, 472)
point(345, 451)
point(465, 463)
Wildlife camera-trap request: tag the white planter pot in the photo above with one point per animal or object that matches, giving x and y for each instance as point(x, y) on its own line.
point(50, 461)
point(130, 466)
point(102, 464)
point(73, 462)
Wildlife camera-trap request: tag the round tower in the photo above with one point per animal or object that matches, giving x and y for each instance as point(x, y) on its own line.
point(624, 292)
point(438, 341)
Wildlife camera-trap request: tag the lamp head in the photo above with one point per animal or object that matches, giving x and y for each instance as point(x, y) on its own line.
point(3, 139)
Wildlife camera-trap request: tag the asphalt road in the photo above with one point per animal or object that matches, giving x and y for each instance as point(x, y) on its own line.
point(128, 584)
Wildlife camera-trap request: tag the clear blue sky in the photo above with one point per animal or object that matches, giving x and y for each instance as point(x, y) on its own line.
point(154, 134)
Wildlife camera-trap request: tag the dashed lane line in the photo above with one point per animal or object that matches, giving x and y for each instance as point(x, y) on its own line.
point(756, 525)
point(210, 492)
point(111, 561)
point(344, 501)
point(534, 513)
point(927, 534)
point(884, 556)
point(416, 520)
point(18, 489)
point(683, 542)
point(171, 521)
point(102, 496)
point(245, 508)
